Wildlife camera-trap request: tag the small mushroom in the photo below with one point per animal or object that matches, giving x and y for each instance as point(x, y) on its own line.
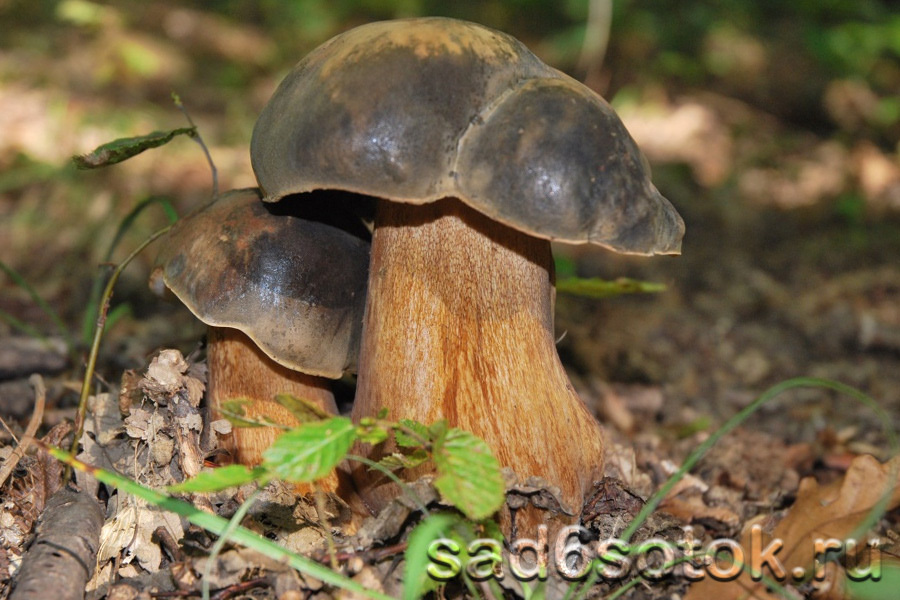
point(479, 155)
point(283, 296)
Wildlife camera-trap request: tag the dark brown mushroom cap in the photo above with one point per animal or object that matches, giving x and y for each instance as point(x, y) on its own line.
point(296, 287)
point(421, 109)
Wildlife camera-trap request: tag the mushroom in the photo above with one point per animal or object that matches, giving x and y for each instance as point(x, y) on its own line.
point(479, 155)
point(283, 296)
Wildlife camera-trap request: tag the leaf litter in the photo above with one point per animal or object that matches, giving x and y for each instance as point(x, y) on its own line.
point(830, 511)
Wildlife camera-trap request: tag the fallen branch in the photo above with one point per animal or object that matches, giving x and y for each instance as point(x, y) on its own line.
point(61, 560)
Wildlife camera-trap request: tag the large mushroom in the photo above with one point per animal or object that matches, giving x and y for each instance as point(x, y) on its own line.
point(478, 155)
point(283, 296)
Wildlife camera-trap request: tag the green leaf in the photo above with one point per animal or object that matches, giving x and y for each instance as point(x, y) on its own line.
point(883, 588)
point(116, 314)
point(603, 288)
point(438, 430)
point(304, 410)
point(219, 479)
point(404, 461)
point(370, 433)
point(469, 474)
point(233, 410)
point(405, 440)
point(121, 149)
point(310, 451)
point(416, 582)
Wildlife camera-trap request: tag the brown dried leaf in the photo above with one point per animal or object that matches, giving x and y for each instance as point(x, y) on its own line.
point(129, 533)
point(139, 424)
point(27, 494)
point(692, 509)
point(165, 376)
point(130, 391)
point(104, 421)
point(621, 463)
point(171, 382)
point(821, 512)
point(52, 468)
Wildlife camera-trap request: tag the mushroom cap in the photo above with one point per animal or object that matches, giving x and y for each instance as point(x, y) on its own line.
point(417, 110)
point(295, 286)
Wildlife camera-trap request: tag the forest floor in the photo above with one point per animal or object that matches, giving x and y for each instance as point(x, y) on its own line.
point(789, 269)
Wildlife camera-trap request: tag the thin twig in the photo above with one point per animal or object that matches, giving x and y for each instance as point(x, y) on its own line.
point(372, 555)
point(98, 335)
point(199, 139)
point(221, 594)
point(9, 431)
point(40, 396)
point(168, 543)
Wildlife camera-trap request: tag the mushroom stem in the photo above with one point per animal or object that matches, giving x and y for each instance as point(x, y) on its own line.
point(239, 369)
point(459, 326)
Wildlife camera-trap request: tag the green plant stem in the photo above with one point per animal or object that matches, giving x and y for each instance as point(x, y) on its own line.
point(98, 335)
point(124, 226)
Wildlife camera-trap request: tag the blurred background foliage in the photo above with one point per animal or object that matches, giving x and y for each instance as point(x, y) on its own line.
point(773, 103)
point(781, 56)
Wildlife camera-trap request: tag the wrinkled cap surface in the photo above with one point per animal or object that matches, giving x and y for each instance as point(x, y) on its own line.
point(421, 109)
point(296, 287)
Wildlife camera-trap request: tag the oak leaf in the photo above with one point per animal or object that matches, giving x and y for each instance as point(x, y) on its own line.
point(821, 512)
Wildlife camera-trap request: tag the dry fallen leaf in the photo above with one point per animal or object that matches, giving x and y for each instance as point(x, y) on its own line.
point(168, 378)
point(130, 533)
point(171, 382)
point(821, 512)
point(691, 509)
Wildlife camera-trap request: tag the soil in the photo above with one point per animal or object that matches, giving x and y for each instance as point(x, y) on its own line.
point(790, 268)
point(760, 295)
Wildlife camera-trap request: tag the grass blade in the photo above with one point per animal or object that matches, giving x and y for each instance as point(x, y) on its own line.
point(218, 526)
point(41, 303)
point(597, 288)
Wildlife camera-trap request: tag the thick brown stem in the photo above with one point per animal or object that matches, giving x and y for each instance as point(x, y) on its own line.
point(459, 326)
point(239, 369)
